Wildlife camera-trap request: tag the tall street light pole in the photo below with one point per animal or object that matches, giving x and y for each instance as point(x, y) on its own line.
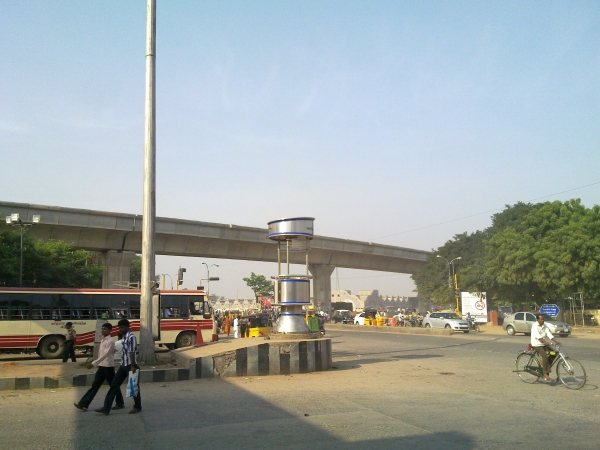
point(149, 202)
point(451, 276)
point(14, 221)
point(208, 277)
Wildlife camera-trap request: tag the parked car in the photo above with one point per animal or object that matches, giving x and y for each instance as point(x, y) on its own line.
point(342, 316)
point(449, 320)
point(521, 322)
point(359, 319)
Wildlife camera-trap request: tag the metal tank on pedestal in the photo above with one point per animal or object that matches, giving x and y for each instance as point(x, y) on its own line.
point(292, 292)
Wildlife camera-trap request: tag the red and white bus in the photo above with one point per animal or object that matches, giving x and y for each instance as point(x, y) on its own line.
point(32, 318)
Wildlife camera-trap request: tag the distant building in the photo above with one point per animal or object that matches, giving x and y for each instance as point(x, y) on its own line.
point(372, 299)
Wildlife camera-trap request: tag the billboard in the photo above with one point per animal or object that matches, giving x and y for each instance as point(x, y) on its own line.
point(476, 304)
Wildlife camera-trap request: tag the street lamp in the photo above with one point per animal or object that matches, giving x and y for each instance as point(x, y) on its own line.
point(14, 221)
point(208, 277)
point(450, 273)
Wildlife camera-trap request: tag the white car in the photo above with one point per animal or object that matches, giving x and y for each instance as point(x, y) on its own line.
point(448, 320)
point(359, 319)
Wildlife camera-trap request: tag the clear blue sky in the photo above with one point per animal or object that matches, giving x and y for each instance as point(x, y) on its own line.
point(376, 118)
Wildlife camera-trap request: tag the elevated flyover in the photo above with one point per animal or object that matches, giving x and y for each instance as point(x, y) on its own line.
point(119, 237)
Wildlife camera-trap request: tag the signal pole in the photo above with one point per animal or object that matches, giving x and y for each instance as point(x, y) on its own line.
point(146, 344)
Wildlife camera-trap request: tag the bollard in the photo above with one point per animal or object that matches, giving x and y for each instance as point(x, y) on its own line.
point(199, 340)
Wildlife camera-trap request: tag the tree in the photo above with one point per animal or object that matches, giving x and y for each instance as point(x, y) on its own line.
point(259, 284)
point(47, 264)
point(135, 272)
point(473, 267)
point(553, 251)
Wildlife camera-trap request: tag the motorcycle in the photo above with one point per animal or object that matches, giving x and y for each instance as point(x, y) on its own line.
point(473, 325)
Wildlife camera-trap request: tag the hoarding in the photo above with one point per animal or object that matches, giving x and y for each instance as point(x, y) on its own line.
point(476, 304)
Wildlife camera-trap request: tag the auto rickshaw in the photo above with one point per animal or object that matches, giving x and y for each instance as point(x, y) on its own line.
point(371, 316)
point(255, 325)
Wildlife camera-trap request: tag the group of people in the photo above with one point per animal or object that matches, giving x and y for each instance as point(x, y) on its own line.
point(408, 318)
point(105, 364)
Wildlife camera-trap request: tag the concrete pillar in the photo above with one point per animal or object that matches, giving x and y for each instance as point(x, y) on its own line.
point(322, 286)
point(117, 266)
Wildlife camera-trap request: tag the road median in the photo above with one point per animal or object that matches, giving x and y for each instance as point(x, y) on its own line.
point(395, 330)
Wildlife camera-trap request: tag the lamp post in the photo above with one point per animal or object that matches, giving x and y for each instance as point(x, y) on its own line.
point(208, 277)
point(14, 221)
point(450, 274)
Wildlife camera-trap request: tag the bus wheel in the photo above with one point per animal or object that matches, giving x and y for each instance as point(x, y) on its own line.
point(185, 339)
point(50, 347)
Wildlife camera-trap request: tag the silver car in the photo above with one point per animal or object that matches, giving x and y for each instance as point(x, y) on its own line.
point(449, 320)
point(521, 322)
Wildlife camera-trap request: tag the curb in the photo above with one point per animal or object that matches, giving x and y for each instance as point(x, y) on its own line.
point(270, 358)
point(146, 376)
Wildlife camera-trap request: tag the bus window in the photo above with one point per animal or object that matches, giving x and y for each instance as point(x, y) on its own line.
point(41, 306)
point(100, 306)
point(120, 305)
point(171, 306)
point(81, 305)
point(19, 309)
point(3, 307)
point(196, 308)
point(134, 308)
point(61, 307)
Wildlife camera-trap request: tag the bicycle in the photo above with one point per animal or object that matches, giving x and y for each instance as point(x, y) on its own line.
point(569, 371)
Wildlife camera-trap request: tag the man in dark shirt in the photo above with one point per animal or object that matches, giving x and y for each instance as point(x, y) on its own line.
point(69, 344)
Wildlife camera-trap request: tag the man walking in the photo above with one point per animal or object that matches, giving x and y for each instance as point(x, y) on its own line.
point(128, 363)
point(69, 344)
point(106, 370)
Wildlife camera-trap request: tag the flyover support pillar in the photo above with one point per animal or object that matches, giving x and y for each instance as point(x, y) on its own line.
point(117, 267)
point(322, 286)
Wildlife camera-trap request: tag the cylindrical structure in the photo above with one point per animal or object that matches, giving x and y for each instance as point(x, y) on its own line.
point(146, 345)
point(297, 227)
point(292, 291)
point(295, 290)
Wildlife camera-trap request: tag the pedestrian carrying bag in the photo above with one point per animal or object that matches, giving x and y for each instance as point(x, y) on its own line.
point(133, 388)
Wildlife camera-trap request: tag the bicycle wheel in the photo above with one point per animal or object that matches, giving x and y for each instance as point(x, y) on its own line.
point(571, 374)
point(528, 367)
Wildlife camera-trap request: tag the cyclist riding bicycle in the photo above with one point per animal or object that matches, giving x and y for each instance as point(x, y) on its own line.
point(539, 334)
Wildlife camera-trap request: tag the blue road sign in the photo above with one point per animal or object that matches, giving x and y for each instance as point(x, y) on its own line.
point(551, 310)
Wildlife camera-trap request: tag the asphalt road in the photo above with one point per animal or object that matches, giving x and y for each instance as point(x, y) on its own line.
point(386, 391)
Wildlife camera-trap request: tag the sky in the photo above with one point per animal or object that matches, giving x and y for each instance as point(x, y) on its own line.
point(403, 123)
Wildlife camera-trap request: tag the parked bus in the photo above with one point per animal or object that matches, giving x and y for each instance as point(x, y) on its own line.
point(35, 318)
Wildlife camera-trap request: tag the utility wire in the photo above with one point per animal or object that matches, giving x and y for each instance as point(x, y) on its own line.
point(481, 213)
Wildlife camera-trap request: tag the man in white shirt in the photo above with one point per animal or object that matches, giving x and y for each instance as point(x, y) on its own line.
point(236, 328)
point(106, 371)
point(540, 334)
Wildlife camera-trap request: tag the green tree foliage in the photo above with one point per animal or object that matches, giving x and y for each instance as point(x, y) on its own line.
point(135, 273)
point(554, 250)
point(538, 251)
point(259, 284)
point(47, 264)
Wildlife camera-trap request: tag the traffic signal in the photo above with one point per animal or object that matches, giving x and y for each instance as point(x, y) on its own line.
point(180, 275)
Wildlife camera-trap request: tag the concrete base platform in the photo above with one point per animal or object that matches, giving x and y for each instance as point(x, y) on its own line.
point(254, 357)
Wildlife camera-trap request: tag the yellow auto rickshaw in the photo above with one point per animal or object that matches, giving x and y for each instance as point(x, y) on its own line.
point(255, 325)
point(371, 316)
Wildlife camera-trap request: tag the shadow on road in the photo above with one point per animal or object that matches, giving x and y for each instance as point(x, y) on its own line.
point(216, 414)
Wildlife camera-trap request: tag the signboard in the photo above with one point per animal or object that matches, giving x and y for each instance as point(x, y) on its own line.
point(551, 310)
point(476, 304)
